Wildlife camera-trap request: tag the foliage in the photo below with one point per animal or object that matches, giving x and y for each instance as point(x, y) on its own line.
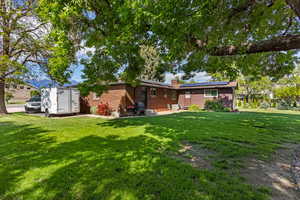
point(30, 45)
point(251, 88)
point(8, 96)
point(214, 105)
point(104, 109)
point(92, 158)
point(254, 104)
point(194, 108)
point(173, 30)
point(264, 105)
point(283, 105)
point(153, 68)
point(93, 109)
point(289, 94)
point(35, 93)
point(239, 103)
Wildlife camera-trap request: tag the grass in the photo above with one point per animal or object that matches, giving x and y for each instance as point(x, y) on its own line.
point(92, 158)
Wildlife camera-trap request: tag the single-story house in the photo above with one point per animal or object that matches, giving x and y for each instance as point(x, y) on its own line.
point(20, 92)
point(158, 96)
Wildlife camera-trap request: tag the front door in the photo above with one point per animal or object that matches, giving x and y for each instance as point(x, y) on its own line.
point(141, 95)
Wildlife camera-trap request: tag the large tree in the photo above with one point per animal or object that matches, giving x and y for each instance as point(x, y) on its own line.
point(257, 37)
point(27, 42)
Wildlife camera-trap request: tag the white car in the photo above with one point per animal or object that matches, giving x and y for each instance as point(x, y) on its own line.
point(33, 104)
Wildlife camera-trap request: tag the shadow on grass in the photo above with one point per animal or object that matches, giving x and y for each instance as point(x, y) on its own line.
point(231, 135)
point(33, 166)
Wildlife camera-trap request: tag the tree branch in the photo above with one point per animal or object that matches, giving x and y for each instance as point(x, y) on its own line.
point(241, 8)
point(22, 35)
point(281, 43)
point(295, 6)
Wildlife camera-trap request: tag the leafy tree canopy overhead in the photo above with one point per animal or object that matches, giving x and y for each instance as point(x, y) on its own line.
point(256, 37)
point(28, 44)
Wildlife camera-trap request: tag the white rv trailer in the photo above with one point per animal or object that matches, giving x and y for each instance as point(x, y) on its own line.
point(60, 100)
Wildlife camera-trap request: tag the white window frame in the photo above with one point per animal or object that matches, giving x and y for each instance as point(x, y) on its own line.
point(205, 95)
point(153, 89)
point(187, 94)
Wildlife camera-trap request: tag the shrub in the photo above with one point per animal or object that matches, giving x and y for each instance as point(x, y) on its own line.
point(194, 108)
point(254, 104)
point(35, 93)
point(296, 108)
point(103, 109)
point(283, 105)
point(239, 103)
point(226, 109)
point(264, 105)
point(93, 109)
point(273, 104)
point(8, 96)
point(214, 105)
point(245, 104)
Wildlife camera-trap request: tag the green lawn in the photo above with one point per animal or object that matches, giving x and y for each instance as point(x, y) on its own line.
point(92, 158)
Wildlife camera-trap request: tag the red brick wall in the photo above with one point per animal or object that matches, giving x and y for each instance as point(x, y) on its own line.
point(159, 102)
point(197, 97)
point(115, 96)
point(120, 96)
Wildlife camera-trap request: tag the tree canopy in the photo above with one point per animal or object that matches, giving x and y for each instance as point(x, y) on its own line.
point(257, 37)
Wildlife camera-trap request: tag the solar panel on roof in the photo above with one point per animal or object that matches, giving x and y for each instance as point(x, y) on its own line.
point(204, 84)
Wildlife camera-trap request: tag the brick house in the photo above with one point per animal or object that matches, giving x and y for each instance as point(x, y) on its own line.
point(20, 92)
point(159, 96)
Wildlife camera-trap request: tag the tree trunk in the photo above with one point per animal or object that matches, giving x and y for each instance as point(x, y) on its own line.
point(2, 98)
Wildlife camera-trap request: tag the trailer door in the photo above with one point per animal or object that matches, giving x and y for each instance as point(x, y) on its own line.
point(63, 100)
point(75, 100)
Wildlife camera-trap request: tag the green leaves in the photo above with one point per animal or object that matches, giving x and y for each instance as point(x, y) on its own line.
point(118, 28)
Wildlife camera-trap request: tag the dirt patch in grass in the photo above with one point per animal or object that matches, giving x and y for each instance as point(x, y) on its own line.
point(195, 155)
point(281, 174)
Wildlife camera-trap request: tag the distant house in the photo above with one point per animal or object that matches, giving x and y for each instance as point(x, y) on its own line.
point(159, 96)
point(20, 92)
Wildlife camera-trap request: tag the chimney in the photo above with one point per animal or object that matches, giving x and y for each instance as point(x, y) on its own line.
point(175, 83)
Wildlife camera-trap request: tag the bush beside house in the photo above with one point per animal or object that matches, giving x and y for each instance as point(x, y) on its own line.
point(216, 105)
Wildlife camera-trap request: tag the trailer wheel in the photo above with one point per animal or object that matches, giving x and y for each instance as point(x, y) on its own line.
point(47, 114)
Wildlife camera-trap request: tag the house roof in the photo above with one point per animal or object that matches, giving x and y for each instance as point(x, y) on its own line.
point(215, 84)
point(155, 84)
point(146, 83)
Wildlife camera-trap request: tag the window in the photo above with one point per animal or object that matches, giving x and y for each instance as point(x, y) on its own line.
point(15, 86)
point(174, 95)
point(95, 96)
point(187, 94)
point(153, 92)
point(6, 86)
point(211, 93)
point(28, 88)
point(21, 87)
point(165, 93)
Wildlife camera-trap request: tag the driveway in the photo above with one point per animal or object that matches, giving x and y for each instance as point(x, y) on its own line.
point(11, 108)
